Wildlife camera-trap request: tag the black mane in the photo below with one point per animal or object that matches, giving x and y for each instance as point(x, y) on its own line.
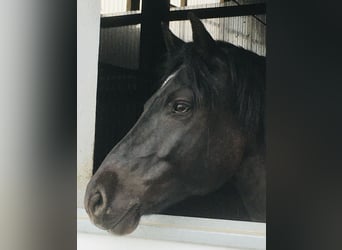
point(246, 79)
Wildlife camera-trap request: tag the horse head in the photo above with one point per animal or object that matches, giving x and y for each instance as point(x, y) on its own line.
point(188, 141)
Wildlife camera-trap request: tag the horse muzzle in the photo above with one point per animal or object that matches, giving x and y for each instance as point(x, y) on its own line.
point(109, 209)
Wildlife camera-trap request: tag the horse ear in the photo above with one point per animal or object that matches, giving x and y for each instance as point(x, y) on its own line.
point(202, 38)
point(172, 42)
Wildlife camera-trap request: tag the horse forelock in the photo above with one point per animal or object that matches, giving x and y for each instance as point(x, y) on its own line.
point(170, 77)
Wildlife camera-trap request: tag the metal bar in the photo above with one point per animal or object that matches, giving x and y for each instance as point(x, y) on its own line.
point(183, 3)
point(151, 40)
point(133, 5)
point(178, 15)
point(117, 21)
point(128, 5)
point(215, 12)
point(257, 18)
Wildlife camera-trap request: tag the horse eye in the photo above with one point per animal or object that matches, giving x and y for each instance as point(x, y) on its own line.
point(181, 107)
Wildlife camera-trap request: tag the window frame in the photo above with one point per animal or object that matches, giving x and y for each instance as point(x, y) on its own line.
point(212, 232)
point(201, 231)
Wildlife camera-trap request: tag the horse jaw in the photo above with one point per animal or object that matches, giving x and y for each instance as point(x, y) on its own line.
point(250, 181)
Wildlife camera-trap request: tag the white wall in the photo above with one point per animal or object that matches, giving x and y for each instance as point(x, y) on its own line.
point(113, 6)
point(88, 30)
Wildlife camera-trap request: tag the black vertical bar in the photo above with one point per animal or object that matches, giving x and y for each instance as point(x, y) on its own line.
point(133, 5)
point(183, 3)
point(151, 41)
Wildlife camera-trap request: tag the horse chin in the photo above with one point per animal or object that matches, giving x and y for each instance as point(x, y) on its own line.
point(119, 222)
point(127, 224)
point(125, 227)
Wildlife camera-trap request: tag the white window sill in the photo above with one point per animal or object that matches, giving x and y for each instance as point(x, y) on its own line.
point(174, 232)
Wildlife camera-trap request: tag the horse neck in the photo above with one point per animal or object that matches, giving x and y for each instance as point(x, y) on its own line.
point(250, 181)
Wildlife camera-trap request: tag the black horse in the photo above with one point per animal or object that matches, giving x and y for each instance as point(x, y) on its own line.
point(201, 129)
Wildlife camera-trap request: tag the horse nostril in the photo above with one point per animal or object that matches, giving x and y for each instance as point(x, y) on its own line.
point(97, 204)
point(99, 194)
